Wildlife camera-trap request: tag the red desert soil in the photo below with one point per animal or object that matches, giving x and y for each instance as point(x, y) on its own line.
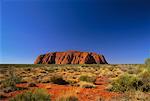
point(84, 94)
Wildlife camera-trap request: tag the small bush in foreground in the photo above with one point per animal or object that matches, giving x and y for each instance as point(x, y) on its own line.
point(126, 82)
point(58, 80)
point(12, 80)
point(145, 78)
point(87, 78)
point(36, 95)
point(68, 98)
point(9, 84)
point(68, 95)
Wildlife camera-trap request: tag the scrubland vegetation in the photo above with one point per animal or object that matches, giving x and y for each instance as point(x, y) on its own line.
point(36, 95)
point(130, 81)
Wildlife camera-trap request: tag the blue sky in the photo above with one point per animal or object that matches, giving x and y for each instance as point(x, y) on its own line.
point(118, 29)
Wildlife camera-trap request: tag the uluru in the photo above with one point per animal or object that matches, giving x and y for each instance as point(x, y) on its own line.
point(70, 57)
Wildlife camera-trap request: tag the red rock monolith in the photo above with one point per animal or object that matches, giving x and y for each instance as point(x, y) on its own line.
point(70, 57)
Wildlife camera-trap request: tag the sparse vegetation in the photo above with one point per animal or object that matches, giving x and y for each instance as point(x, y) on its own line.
point(70, 95)
point(145, 79)
point(9, 84)
point(12, 80)
point(87, 78)
point(86, 85)
point(132, 96)
point(36, 95)
point(58, 80)
point(125, 78)
point(68, 98)
point(128, 82)
point(125, 83)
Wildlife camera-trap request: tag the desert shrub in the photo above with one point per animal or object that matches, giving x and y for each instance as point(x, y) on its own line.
point(87, 78)
point(147, 61)
point(84, 84)
point(145, 78)
point(32, 84)
point(68, 98)
point(50, 70)
point(12, 80)
point(137, 96)
point(68, 95)
point(36, 95)
point(132, 70)
point(120, 98)
point(9, 84)
point(132, 96)
point(126, 82)
point(72, 81)
point(58, 80)
point(88, 85)
point(100, 98)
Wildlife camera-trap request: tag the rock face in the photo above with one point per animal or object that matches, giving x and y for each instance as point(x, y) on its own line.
point(70, 57)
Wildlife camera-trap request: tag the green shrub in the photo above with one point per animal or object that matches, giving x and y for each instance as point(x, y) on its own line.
point(72, 98)
point(147, 61)
point(58, 80)
point(36, 95)
point(12, 80)
point(126, 82)
point(9, 84)
point(145, 78)
point(68, 98)
point(87, 78)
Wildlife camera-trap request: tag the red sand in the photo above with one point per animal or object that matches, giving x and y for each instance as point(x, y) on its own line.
point(84, 94)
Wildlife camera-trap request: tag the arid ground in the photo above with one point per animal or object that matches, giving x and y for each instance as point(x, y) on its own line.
point(87, 82)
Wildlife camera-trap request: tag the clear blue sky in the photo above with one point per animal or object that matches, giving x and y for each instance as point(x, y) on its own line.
point(118, 29)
